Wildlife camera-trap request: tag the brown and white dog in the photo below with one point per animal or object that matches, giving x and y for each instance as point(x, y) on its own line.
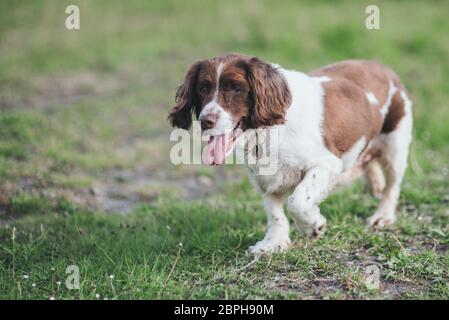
point(337, 123)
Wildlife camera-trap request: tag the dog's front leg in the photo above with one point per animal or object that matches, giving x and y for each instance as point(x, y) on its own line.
point(277, 238)
point(303, 204)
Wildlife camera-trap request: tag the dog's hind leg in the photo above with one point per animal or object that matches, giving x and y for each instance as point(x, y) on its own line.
point(375, 178)
point(394, 158)
point(277, 238)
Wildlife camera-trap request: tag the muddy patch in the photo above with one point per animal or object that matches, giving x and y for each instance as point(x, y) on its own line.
point(122, 191)
point(119, 191)
point(398, 290)
point(309, 289)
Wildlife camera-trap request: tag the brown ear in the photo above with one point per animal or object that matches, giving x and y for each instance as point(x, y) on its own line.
point(181, 114)
point(270, 93)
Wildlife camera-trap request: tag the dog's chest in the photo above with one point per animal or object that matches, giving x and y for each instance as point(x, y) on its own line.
point(284, 180)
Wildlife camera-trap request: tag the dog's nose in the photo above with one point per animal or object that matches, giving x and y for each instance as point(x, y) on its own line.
point(208, 121)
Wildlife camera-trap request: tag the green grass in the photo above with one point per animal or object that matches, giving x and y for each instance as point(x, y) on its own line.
point(143, 253)
point(79, 108)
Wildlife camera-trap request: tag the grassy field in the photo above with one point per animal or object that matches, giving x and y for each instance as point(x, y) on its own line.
point(85, 178)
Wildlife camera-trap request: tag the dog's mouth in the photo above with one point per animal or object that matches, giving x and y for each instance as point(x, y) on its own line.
point(221, 146)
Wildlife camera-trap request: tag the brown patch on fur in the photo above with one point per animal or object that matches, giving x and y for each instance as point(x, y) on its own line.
point(270, 94)
point(348, 115)
point(395, 113)
point(371, 76)
point(234, 93)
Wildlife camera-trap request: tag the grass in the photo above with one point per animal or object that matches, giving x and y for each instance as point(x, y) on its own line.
point(83, 114)
point(141, 250)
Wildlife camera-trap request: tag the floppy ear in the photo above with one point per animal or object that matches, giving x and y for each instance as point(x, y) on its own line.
point(181, 114)
point(270, 94)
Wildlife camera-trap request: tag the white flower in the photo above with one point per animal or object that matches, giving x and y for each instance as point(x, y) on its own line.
point(51, 298)
point(33, 285)
point(25, 276)
point(97, 296)
point(58, 283)
point(180, 244)
point(111, 276)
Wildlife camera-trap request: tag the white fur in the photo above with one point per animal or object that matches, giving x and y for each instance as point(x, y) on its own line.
point(322, 79)
point(394, 160)
point(349, 158)
point(225, 123)
point(277, 236)
point(306, 165)
point(372, 98)
point(303, 203)
point(219, 71)
point(302, 131)
point(391, 91)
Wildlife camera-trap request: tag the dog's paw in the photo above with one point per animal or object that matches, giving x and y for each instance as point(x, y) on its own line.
point(316, 229)
point(270, 246)
point(378, 220)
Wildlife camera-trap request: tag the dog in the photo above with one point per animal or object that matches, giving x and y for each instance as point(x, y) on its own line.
point(346, 120)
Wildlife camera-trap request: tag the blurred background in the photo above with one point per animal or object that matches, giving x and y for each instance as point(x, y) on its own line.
point(83, 112)
point(83, 130)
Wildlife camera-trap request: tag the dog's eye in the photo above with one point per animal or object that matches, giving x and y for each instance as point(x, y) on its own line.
point(203, 89)
point(236, 89)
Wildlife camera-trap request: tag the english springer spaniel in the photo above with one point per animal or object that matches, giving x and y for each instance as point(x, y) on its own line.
point(337, 123)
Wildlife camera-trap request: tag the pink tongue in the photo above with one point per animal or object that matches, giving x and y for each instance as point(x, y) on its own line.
point(215, 152)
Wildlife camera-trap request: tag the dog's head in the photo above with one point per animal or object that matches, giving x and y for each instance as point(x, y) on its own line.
point(229, 95)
